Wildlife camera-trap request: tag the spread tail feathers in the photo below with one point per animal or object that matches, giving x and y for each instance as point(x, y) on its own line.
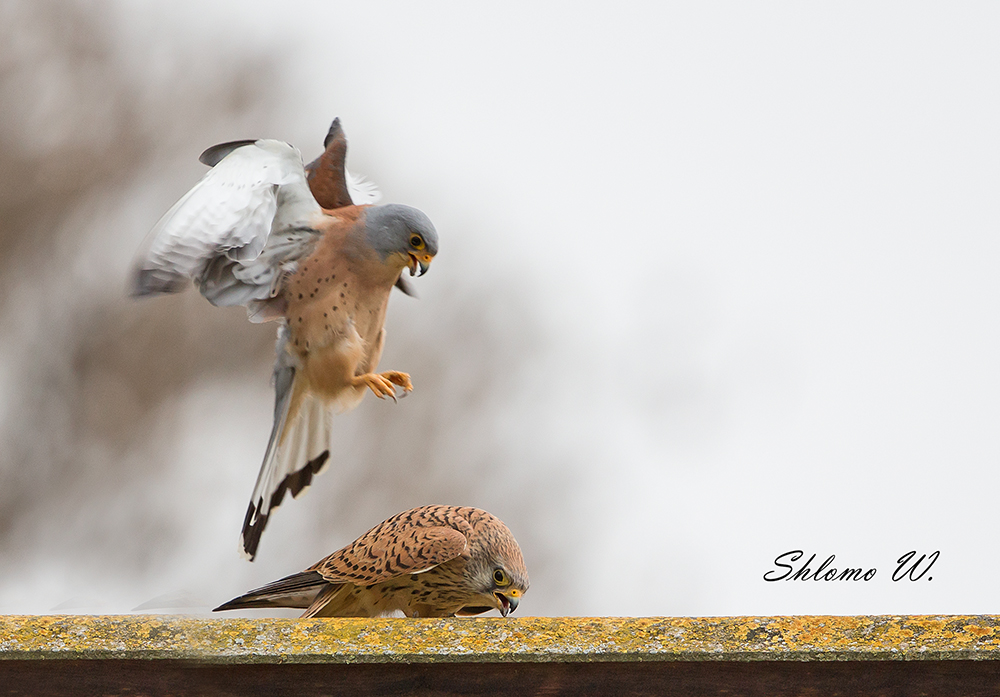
point(298, 450)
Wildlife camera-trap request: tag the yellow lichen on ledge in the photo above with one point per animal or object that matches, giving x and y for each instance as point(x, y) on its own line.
point(531, 639)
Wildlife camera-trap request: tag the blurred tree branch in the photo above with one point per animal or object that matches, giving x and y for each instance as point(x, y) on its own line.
point(76, 125)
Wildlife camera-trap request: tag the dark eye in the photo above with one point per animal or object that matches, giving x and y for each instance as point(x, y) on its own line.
point(500, 577)
point(417, 242)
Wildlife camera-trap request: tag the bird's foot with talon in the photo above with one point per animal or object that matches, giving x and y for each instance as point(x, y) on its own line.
point(398, 378)
point(384, 384)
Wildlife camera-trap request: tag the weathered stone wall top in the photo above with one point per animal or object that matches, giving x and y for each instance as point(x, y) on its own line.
point(530, 639)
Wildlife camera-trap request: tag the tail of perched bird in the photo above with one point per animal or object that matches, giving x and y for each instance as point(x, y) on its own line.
point(298, 590)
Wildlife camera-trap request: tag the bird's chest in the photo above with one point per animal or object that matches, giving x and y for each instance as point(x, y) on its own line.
point(332, 307)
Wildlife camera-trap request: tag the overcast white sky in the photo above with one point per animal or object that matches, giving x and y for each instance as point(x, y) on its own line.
point(758, 244)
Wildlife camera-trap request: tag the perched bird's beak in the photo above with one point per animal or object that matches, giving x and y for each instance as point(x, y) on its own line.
point(507, 603)
point(423, 261)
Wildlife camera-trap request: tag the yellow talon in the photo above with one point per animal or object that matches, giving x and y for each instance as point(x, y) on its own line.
point(382, 385)
point(398, 378)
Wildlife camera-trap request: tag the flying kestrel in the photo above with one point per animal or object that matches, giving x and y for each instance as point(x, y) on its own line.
point(252, 233)
point(432, 561)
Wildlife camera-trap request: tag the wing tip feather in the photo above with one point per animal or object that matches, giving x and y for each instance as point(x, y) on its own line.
point(215, 154)
point(146, 282)
point(335, 130)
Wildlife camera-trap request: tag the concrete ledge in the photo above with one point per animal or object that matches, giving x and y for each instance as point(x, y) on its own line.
point(493, 640)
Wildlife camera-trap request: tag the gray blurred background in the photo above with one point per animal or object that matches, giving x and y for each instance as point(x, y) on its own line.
point(717, 281)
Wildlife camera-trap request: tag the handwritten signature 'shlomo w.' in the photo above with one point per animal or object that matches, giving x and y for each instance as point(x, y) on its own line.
point(909, 566)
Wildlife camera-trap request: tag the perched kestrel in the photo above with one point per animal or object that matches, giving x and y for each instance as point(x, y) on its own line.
point(251, 233)
point(432, 561)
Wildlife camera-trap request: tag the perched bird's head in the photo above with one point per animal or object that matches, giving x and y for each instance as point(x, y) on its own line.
point(496, 572)
point(401, 235)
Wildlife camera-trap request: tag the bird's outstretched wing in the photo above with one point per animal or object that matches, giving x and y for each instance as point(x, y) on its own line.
point(330, 182)
point(334, 186)
point(255, 200)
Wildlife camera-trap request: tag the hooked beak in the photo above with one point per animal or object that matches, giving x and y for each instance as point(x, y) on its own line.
point(507, 604)
point(424, 262)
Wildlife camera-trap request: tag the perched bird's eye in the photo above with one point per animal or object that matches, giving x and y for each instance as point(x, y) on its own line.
point(417, 242)
point(500, 577)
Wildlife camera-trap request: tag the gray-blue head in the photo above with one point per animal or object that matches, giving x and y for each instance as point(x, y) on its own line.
point(402, 233)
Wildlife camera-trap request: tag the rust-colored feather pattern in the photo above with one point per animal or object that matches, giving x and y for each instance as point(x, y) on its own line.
point(409, 542)
point(432, 561)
